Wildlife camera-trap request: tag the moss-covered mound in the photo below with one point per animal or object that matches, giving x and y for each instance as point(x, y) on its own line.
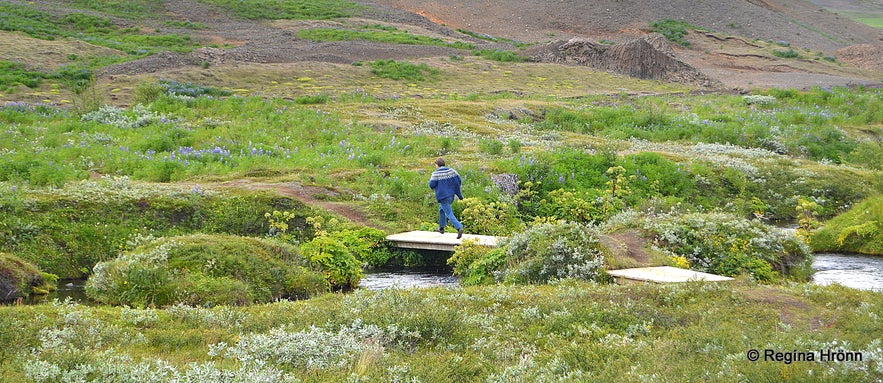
point(19, 279)
point(205, 270)
point(859, 230)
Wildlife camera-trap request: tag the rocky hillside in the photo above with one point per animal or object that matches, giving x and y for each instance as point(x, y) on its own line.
point(799, 22)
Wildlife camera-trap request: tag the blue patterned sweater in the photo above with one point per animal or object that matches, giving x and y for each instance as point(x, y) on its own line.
point(446, 183)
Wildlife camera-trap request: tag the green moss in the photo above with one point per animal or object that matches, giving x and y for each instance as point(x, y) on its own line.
point(858, 230)
point(205, 270)
point(20, 279)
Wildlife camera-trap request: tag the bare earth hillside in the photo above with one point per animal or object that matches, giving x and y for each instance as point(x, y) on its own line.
point(737, 50)
point(801, 23)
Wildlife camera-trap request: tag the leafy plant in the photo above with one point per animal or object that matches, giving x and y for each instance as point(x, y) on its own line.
point(728, 245)
point(551, 251)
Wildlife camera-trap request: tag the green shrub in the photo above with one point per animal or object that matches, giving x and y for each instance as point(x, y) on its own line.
point(724, 244)
point(789, 54)
point(395, 70)
point(20, 279)
point(673, 30)
point(204, 270)
point(551, 251)
point(340, 267)
point(492, 147)
point(475, 264)
point(489, 218)
point(858, 230)
point(368, 245)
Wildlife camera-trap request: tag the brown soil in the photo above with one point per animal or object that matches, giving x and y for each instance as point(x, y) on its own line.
point(629, 249)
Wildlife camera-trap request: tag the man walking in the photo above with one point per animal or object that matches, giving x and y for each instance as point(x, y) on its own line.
point(446, 183)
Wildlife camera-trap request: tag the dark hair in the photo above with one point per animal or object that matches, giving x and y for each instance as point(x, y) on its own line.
point(440, 161)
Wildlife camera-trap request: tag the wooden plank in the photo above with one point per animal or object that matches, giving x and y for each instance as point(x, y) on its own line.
point(432, 240)
point(665, 274)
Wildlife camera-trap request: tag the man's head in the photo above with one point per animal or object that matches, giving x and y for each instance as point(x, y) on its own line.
point(440, 162)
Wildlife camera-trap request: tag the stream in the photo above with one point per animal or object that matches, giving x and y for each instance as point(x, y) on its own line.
point(863, 272)
point(851, 270)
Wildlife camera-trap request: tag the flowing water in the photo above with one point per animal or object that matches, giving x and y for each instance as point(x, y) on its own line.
point(850, 270)
point(408, 278)
point(857, 271)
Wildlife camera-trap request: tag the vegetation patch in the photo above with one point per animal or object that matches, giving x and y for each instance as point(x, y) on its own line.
point(97, 30)
point(205, 270)
point(858, 230)
point(541, 254)
point(674, 30)
point(382, 36)
point(294, 10)
point(401, 70)
point(727, 245)
point(20, 279)
point(69, 230)
point(500, 55)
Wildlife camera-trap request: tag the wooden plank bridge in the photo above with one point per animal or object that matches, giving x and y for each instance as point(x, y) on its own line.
point(433, 240)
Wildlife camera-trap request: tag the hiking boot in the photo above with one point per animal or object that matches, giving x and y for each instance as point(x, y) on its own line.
point(459, 233)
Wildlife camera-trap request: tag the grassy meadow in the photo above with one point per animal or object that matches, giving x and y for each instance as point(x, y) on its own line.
point(197, 207)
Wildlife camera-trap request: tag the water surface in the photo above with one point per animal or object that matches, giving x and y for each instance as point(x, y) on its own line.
point(851, 270)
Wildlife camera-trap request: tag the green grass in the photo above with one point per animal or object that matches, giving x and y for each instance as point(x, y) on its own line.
point(568, 332)
point(12, 74)
point(381, 36)
point(876, 22)
point(94, 29)
point(498, 55)
point(401, 70)
point(296, 9)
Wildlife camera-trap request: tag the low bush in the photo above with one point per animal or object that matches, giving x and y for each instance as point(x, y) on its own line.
point(673, 30)
point(541, 254)
point(858, 230)
point(724, 244)
point(205, 270)
point(489, 218)
point(20, 279)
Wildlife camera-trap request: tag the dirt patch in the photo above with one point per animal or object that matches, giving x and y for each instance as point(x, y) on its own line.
point(629, 249)
point(793, 311)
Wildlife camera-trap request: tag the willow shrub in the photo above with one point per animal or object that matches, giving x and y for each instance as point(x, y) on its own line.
point(725, 244)
point(205, 270)
point(541, 254)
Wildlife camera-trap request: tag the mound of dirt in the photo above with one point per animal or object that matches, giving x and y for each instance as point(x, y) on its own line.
point(649, 57)
point(865, 56)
